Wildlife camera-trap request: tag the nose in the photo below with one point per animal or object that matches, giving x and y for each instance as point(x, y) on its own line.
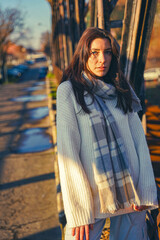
point(102, 57)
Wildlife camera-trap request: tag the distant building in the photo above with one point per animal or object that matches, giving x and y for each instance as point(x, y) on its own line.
point(35, 56)
point(15, 54)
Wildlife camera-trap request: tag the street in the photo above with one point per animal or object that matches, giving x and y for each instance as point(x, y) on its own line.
point(28, 208)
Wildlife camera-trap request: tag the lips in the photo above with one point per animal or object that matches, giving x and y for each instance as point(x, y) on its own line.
point(101, 68)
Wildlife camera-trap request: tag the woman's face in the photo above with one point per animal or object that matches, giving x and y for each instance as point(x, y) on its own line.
point(100, 57)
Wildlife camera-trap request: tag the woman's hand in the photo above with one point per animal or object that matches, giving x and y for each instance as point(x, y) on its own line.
point(139, 208)
point(82, 231)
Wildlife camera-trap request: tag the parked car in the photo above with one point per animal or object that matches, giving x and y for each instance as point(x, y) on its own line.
point(30, 62)
point(43, 72)
point(152, 74)
point(43, 69)
point(13, 72)
point(22, 67)
point(17, 70)
point(41, 59)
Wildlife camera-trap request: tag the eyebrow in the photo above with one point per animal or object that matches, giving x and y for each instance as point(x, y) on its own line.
point(97, 49)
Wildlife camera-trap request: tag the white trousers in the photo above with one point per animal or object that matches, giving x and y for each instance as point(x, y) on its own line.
point(130, 226)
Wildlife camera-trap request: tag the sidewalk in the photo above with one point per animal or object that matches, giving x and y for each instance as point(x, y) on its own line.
point(28, 208)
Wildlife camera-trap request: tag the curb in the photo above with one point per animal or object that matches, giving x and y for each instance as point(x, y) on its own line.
point(52, 118)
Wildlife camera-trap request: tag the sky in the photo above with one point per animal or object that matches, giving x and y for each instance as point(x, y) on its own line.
point(37, 17)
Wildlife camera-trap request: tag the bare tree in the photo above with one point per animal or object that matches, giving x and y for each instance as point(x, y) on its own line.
point(11, 25)
point(46, 43)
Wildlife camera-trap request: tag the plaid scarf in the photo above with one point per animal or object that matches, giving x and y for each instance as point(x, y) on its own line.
point(112, 176)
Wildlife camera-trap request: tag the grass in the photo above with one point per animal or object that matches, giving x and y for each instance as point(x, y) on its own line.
point(50, 75)
point(53, 86)
point(53, 93)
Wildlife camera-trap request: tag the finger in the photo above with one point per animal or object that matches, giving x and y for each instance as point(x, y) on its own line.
point(77, 233)
point(133, 207)
point(87, 231)
point(140, 208)
point(73, 231)
point(137, 208)
point(82, 232)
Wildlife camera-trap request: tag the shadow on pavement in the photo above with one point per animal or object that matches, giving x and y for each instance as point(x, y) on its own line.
point(21, 182)
point(51, 234)
point(28, 188)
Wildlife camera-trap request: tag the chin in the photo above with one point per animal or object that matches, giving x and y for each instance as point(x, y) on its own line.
point(101, 74)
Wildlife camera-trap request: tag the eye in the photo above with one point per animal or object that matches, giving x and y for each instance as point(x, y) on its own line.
point(94, 53)
point(108, 52)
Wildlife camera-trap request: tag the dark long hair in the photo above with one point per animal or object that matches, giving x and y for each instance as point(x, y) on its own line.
point(114, 75)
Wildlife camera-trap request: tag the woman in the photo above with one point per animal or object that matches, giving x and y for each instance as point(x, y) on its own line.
point(104, 162)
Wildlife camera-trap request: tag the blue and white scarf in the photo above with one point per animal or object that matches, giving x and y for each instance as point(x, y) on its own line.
point(112, 176)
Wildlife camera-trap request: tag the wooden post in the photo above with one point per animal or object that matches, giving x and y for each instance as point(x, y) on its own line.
point(132, 37)
point(92, 12)
point(53, 26)
point(74, 27)
point(58, 33)
point(148, 10)
point(104, 10)
point(125, 33)
point(69, 38)
point(100, 14)
point(96, 14)
point(77, 17)
point(138, 23)
point(81, 16)
point(64, 42)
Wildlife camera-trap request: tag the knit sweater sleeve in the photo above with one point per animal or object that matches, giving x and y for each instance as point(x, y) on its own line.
point(146, 185)
point(76, 192)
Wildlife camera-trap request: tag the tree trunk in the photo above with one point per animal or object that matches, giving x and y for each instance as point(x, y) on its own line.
point(3, 68)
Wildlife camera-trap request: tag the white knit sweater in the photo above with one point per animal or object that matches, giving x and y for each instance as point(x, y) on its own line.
point(76, 153)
